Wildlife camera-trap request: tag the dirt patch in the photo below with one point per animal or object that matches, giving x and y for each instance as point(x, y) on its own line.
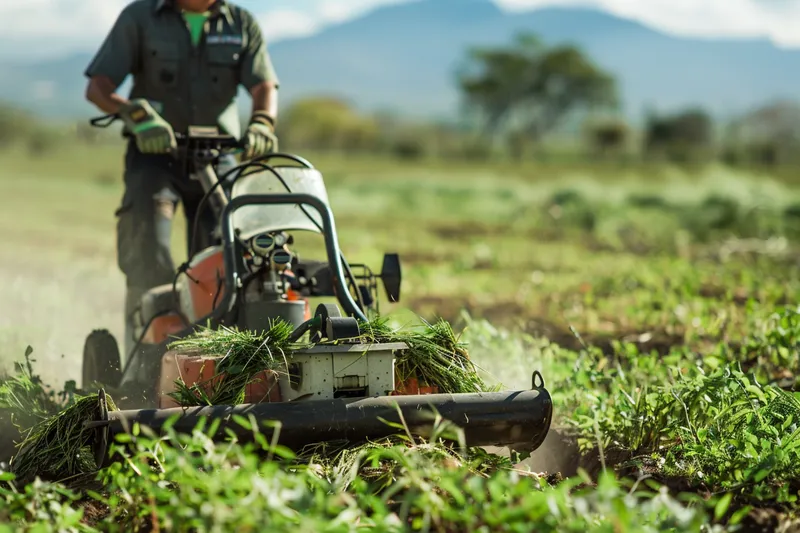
point(659, 342)
point(506, 313)
point(769, 521)
point(511, 314)
point(559, 457)
point(560, 454)
point(93, 511)
point(466, 230)
point(738, 296)
point(759, 519)
point(422, 256)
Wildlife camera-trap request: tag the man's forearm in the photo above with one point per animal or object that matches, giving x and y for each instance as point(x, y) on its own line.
point(101, 92)
point(265, 99)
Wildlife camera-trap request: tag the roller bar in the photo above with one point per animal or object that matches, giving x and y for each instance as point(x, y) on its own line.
point(517, 419)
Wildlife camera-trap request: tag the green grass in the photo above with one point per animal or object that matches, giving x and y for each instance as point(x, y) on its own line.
point(193, 488)
point(660, 306)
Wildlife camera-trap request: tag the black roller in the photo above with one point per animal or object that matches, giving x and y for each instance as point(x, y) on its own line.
point(517, 419)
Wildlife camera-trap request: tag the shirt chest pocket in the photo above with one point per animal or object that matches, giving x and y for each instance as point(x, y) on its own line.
point(162, 62)
point(223, 68)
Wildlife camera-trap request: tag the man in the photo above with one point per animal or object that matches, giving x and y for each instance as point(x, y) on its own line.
point(187, 59)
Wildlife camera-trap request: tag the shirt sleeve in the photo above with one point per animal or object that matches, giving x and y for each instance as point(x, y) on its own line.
point(118, 55)
point(256, 62)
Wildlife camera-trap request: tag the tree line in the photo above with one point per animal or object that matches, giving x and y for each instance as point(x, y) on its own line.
point(516, 100)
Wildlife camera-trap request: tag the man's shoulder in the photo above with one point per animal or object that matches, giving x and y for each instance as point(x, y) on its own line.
point(242, 13)
point(140, 9)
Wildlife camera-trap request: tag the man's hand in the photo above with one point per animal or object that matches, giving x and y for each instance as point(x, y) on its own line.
point(260, 137)
point(154, 135)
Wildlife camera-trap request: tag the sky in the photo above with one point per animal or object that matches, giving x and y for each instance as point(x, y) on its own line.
point(50, 28)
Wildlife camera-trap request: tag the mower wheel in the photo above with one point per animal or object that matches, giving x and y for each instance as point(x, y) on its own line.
point(101, 360)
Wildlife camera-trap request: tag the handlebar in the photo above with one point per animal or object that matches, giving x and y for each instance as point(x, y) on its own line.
point(201, 138)
point(198, 138)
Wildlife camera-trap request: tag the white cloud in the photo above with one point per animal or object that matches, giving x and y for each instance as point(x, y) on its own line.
point(53, 27)
point(775, 19)
point(44, 90)
point(332, 11)
point(286, 23)
point(57, 19)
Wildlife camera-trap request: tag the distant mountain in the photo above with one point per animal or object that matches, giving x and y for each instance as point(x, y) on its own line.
point(404, 57)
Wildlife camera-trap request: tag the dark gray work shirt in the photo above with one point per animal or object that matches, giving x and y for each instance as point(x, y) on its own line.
point(188, 85)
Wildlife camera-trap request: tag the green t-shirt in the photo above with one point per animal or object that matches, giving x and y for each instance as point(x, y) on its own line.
point(196, 22)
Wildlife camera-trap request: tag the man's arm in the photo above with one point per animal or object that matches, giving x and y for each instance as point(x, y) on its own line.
point(101, 91)
point(265, 99)
point(116, 59)
point(258, 74)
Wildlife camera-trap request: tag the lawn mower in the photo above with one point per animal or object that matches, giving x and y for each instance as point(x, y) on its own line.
point(339, 388)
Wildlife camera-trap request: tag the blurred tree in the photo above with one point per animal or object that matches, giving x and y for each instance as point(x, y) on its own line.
point(682, 137)
point(327, 123)
point(87, 133)
point(15, 125)
point(409, 147)
point(528, 89)
point(43, 141)
point(769, 135)
point(607, 136)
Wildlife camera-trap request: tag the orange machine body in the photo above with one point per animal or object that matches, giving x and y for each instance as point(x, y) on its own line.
point(208, 288)
point(204, 290)
point(205, 278)
point(200, 372)
point(162, 327)
point(197, 301)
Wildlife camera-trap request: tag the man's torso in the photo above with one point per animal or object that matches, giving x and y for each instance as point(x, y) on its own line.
point(190, 85)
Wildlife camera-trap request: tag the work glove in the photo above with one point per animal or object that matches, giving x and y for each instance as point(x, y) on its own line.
point(153, 134)
point(260, 137)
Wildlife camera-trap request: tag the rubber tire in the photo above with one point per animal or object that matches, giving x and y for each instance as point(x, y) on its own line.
point(101, 360)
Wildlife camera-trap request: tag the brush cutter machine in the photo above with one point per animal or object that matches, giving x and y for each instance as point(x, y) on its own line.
point(332, 391)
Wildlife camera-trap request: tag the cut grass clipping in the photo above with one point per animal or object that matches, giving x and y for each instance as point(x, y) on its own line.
point(58, 448)
point(381, 462)
point(24, 402)
point(243, 357)
point(435, 357)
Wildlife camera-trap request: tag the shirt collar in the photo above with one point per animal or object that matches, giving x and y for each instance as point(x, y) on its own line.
point(219, 8)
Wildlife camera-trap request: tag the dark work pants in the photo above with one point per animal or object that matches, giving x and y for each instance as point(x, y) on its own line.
point(154, 185)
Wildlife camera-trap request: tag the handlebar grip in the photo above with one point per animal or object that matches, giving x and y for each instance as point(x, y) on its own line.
point(212, 141)
point(104, 121)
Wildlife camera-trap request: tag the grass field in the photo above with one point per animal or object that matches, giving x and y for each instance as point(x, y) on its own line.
point(660, 305)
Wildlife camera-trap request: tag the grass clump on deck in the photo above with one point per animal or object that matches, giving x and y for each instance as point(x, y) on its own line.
point(435, 355)
point(243, 357)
